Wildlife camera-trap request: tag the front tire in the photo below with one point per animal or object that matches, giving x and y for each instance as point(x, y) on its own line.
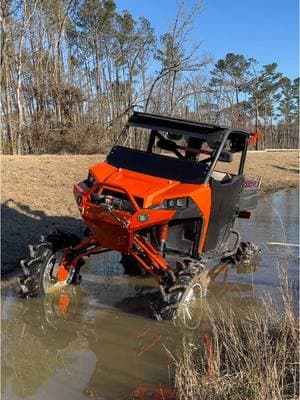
point(185, 297)
point(40, 268)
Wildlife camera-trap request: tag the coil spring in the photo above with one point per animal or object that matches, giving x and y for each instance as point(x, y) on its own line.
point(162, 233)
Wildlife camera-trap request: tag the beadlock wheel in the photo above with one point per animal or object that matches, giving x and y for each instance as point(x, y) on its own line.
point(50, 275)
point(41, 268)
point(185, 299)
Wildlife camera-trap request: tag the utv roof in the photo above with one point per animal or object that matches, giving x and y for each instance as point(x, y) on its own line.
point(177, 125)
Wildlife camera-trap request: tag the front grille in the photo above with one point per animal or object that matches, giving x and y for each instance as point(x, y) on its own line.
point(116, 200)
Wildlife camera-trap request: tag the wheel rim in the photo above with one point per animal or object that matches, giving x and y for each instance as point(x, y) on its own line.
point(50, 281)
point(191, 306)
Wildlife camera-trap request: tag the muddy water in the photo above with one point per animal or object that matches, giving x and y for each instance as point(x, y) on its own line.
point(275, 228)
point(97, 341)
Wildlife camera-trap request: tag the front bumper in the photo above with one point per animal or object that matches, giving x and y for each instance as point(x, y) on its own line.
point(115, 229)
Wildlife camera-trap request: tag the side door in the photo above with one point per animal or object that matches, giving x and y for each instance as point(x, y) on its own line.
point(224, 207)
point(226, 181)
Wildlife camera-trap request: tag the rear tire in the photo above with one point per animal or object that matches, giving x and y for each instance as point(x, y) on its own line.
point(40, 267)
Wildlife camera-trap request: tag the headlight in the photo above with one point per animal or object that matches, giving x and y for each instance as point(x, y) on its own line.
point(181, 202)
point(177, 203)
point(143, 217)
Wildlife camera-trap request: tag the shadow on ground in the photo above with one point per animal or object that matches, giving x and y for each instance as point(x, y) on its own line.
point(22, 226)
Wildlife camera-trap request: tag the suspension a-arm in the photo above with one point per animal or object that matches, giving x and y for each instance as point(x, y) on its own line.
point(151, 259)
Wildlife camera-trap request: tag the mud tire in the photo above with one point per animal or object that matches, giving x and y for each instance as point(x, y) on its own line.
point(247, 254)
point(31, 282)
point(177, 296)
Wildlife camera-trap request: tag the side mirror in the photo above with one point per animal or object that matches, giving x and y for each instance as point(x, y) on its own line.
point(225, 156)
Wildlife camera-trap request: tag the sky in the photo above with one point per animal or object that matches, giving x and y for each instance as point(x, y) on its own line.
point(267, 30)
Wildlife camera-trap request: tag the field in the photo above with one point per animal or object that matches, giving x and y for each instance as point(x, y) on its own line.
point(37, 193)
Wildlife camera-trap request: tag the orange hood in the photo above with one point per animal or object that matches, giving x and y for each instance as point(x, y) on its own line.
point(141, 185)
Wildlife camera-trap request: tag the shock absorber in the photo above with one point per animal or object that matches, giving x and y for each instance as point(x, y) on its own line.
point(162, 233)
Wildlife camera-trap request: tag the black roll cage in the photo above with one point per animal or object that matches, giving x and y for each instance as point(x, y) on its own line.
point(156, 123)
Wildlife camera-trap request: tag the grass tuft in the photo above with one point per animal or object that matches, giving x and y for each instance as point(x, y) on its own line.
point(253, 356)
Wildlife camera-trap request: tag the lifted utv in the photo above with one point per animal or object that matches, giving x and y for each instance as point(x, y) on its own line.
point(161, 199)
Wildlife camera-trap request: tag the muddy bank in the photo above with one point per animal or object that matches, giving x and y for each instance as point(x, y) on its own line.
point(36, 193)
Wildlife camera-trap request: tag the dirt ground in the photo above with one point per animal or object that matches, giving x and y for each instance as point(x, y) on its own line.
point(36, 193)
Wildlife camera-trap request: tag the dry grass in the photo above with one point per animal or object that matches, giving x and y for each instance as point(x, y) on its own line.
point(45, 182)
point(37, 197)
point(278, 170)
point(254, 356)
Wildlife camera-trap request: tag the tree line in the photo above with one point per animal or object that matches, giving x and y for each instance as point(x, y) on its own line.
point(73, 70)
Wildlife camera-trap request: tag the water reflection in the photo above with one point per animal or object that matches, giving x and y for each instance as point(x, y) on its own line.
point(62, 338)
point(70, 343)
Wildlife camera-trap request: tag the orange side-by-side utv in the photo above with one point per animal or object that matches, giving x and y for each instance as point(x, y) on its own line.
point(166, 198)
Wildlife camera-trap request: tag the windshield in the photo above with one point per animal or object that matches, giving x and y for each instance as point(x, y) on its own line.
point(157, 165)
point(180, 144)
point(166, 155)
point(199, 148)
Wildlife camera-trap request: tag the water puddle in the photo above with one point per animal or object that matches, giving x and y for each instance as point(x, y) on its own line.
point(274, 228)
point(98, 341)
